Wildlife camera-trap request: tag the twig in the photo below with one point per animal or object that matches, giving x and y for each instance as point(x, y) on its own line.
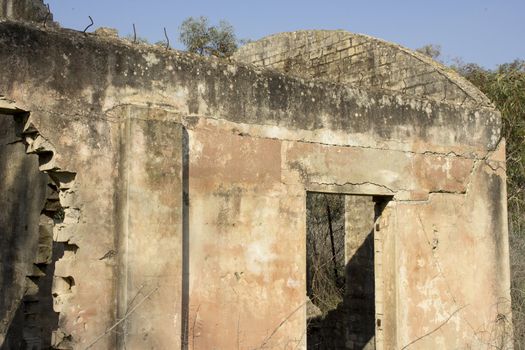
point(437, 265)
point(121, 320)
point(135, 297)
point(134, 34)
point(193, 327)
point(280, 325)
point(167, 39)
point(331, 232)
point(91, 19)
point(302, 335)
point(435, 329)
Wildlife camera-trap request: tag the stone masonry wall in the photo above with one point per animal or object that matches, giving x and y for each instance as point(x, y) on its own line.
point(25, 10)
point(359, 60)
point(187, 206)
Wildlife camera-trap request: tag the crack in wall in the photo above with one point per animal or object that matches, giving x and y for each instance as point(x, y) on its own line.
point(240, 131)
point(433, 245)
point(364, 183)
point(239, 128)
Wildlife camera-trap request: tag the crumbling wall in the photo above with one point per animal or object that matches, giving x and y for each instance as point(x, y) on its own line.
point(25, 10)
point(359, 60)
point(188, 203)
point(38, 253)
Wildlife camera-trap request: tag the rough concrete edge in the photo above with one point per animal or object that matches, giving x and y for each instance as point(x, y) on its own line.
point(36, 11)
point(213, 61)
point(78, 37)
point(64, 180)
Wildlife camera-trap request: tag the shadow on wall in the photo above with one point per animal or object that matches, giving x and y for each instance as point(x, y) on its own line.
point(35, 320)
point(352, 324)
point(29, 204)
point(185, 240)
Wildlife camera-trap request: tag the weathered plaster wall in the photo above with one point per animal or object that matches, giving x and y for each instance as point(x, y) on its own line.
point(360, 60)
point(120, 73)
point(149, 228)
point(433, 284)
point(188, 204)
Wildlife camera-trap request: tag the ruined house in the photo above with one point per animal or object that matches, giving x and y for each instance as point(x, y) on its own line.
point(156, 199)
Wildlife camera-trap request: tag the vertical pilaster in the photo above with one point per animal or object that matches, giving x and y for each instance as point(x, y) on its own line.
point(150, 237)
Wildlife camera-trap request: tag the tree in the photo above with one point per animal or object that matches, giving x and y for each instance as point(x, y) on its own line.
point(505, 86)
point(430, 50)
point(200, 37)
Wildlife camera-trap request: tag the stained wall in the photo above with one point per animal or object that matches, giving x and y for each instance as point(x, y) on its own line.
point(188, 205)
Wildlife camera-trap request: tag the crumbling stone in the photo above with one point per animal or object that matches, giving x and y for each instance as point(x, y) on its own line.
point(25, 10)
point(180, 184)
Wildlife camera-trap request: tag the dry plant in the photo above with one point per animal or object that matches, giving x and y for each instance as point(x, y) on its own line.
point(325, 250)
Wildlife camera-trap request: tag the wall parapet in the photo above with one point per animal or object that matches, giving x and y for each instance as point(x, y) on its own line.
point(103, 72)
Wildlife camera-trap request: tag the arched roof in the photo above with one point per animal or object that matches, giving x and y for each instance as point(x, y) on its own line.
point(362, 61)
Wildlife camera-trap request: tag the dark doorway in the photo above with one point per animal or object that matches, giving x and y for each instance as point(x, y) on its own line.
point(340, 270)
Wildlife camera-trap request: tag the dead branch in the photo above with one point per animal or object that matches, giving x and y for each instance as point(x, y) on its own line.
point(435, 329)
point(193, 327)
point(280, 325)
point(121, 320)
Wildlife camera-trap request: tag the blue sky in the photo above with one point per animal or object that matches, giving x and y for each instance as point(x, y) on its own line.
point(487, 32)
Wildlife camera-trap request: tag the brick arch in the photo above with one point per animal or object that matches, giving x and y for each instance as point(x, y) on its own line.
point(361, 61)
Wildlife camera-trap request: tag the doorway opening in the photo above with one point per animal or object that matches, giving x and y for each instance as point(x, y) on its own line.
point(340, 265)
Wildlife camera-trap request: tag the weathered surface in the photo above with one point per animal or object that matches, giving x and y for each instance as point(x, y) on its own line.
point(25, 10)
point(360, 293)
point(183, 181)
point(360, 60)
point(150, 230)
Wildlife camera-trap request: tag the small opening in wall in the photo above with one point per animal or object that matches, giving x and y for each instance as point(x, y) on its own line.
point(340, 263)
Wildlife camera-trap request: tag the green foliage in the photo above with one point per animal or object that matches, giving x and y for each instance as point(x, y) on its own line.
point(200, 37)
point(505, 86)
point(222, 39)
point(431, 50)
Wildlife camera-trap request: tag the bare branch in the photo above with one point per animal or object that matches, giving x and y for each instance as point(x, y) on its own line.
point(434, 330)
point(121, 320)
